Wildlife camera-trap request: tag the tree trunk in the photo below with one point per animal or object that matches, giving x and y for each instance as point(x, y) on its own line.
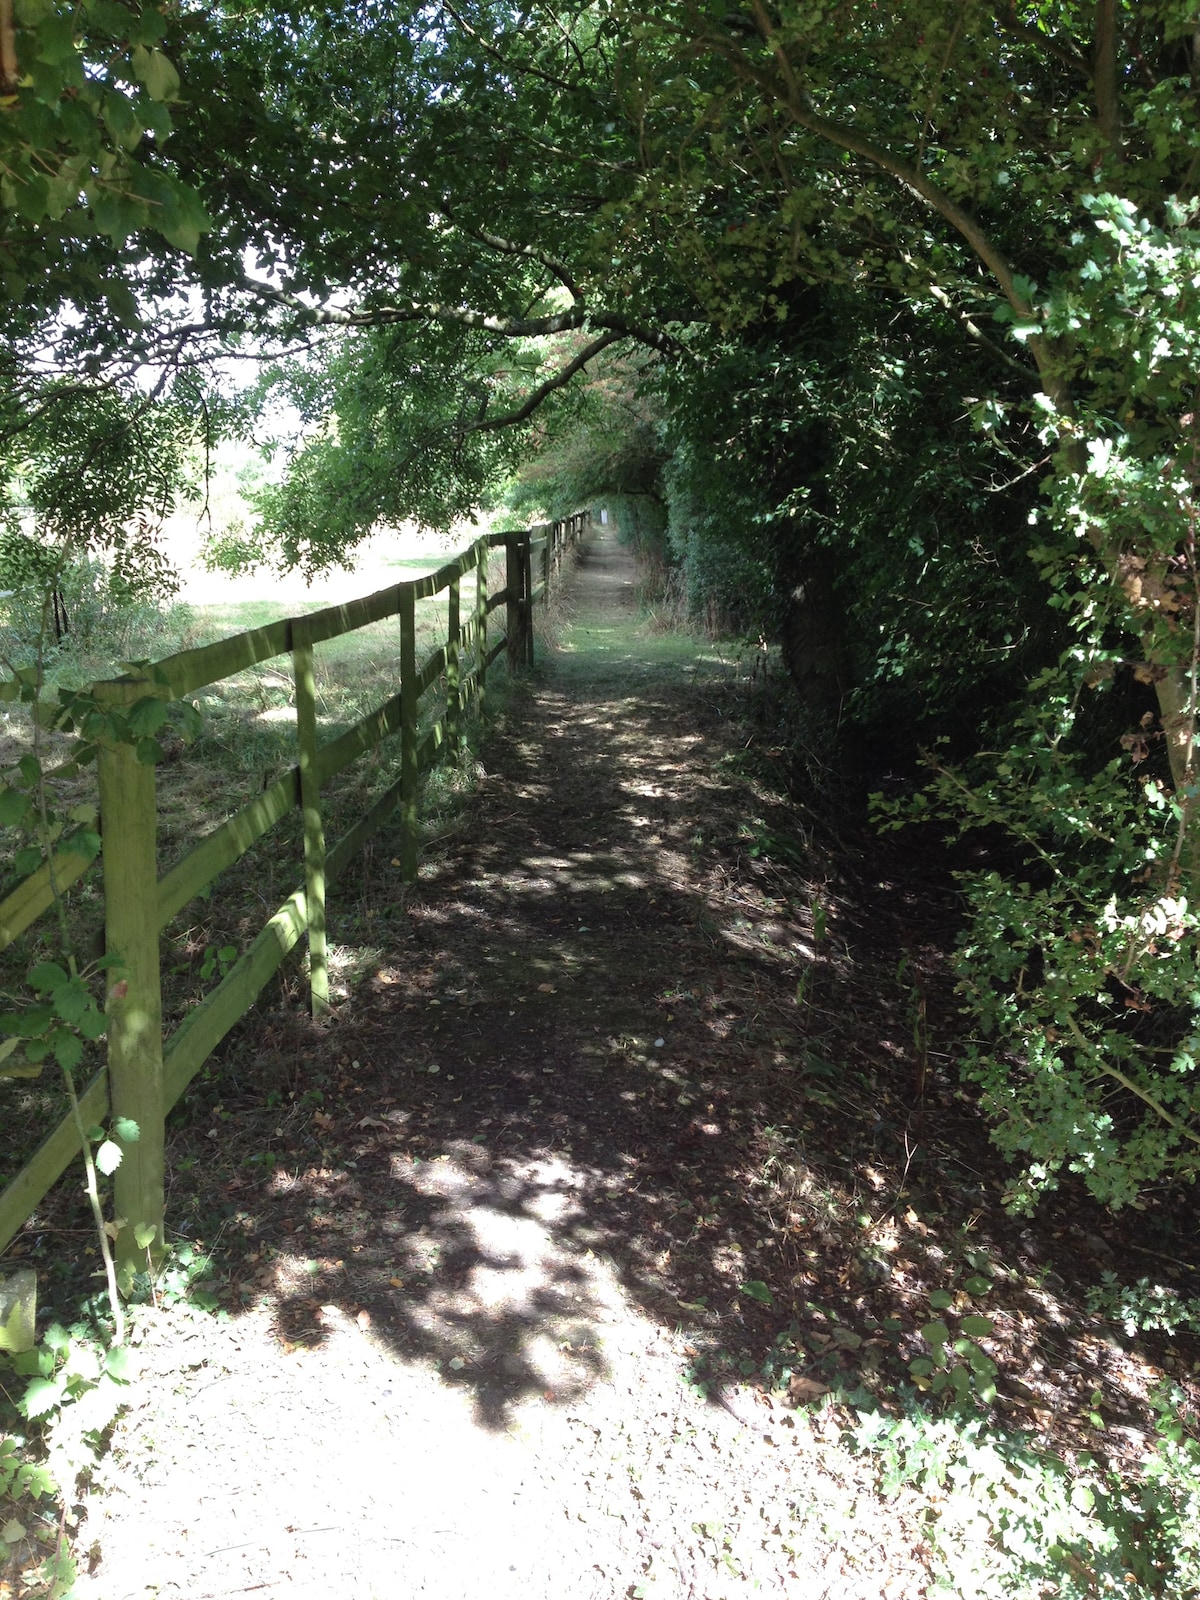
point(812, 634)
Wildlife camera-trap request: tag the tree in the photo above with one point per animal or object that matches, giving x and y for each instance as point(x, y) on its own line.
point(1031, 163)
point(1030, 169)
point(417, 201)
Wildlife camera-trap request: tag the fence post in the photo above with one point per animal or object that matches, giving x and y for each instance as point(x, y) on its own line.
point(481, 628)
point(134, 1001)
point(453, 682)
point(518, 650)
point(314, 825)
point(409, 774)
point(527, 592)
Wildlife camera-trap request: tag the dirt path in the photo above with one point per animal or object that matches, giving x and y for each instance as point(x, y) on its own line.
point(461, 1367)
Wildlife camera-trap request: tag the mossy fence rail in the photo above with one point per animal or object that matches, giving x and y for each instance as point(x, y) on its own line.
point(144, 1076)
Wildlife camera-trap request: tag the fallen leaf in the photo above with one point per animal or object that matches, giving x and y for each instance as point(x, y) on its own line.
point(802, 1390)
point(363, 1319)
point(546, 988)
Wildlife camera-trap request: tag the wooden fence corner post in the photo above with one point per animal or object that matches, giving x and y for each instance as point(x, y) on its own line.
point(134, 1000)
point(304, 677)
point(410, 814)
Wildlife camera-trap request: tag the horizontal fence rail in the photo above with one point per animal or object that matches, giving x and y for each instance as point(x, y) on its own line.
point(144, 1075)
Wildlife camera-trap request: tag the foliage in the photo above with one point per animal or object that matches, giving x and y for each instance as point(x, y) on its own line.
point(75, 1386)
point(1006, 1518)
point(848, 442)
point(74, 1390)
point(85, 96)
point(957, 1366)
point(387, 437)
point(1144, 1306)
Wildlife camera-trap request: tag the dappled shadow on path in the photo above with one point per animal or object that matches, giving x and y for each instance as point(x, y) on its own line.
point(613, 1061)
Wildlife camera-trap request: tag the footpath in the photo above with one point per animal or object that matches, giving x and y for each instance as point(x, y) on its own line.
point(502, 1336)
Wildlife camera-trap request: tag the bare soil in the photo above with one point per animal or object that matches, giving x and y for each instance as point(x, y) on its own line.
point(549, 1255)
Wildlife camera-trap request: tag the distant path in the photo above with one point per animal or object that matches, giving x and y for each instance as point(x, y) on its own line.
point(462, 1373)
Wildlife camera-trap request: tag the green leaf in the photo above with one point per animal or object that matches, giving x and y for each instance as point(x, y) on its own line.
point(756, 1289)
point(67, 1047)
point(71, 1000)
point(93, 1024)
point(14, 807)
point(976, 1327)
point(935, 1334)
point(941, 1300)
point(127, 1129)
point(85, 843)
point(41, 1397)
point(121, 1363)
point(108, 1157)
point(47, 976)
point(149, 752)
point(147, 716)
point(153, 69)
point(145, 1234)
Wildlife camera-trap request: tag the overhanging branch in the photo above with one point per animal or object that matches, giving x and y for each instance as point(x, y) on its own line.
point(544, 390)
point(573, 320)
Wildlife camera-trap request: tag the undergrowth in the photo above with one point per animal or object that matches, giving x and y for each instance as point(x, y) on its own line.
point(58, 1402)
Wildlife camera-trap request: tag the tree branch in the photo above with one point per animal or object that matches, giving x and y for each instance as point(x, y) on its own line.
point(486, 424)
point(509, 66)
point(509, 247)
point(796, 102)
point(1006, 18)
point(966, 321)
point(571, 321)
point(1104, 75)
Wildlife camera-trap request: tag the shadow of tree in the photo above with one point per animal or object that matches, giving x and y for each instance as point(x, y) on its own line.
point(581, 1081)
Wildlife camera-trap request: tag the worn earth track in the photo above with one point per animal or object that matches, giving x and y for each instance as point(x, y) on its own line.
point(460, 1367)
point(577, 1136)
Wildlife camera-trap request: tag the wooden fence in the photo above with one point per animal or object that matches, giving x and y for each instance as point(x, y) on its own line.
point(144, 1076)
